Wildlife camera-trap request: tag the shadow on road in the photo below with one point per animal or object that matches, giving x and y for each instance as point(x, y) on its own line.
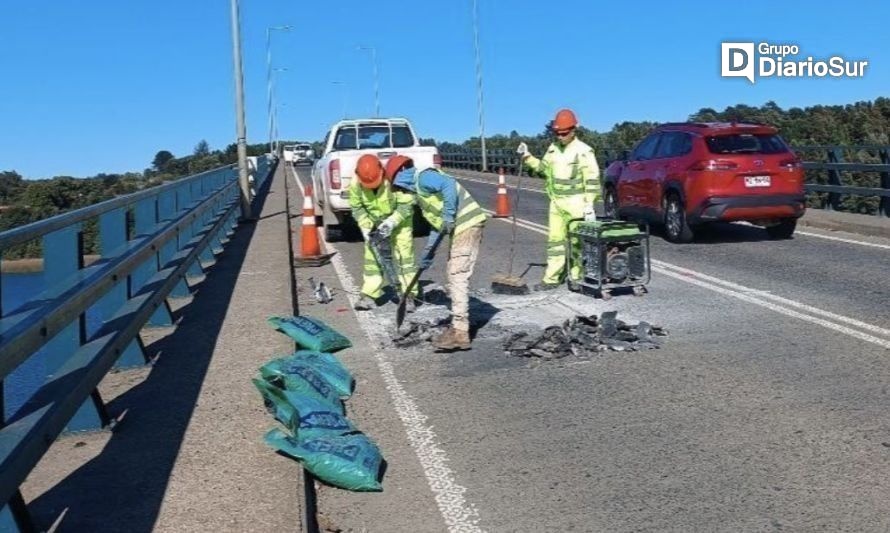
point(123, 488)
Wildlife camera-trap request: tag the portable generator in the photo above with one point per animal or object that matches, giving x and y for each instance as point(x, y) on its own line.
point(613, 254)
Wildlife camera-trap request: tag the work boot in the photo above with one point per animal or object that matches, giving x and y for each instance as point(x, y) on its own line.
point(364, 303)
point(453, 339)
point(546, 286)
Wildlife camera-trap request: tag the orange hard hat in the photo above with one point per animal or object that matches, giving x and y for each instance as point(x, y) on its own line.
point(565, 120)
point(395, 164)
point(369, 171)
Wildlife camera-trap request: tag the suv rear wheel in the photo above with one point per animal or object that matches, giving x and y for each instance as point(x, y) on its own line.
point(783, 230)
point(675, 225)
point(610, 203)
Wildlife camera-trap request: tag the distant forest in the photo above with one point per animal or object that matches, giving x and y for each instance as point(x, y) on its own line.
point(23, 201)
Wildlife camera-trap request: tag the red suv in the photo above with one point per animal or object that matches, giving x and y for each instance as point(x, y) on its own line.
point(686, 174)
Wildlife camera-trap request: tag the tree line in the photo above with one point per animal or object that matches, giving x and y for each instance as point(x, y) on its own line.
point(23, 201)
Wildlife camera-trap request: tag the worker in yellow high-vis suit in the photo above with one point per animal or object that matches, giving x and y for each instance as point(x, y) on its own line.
point(376, 206)
point(572, 184)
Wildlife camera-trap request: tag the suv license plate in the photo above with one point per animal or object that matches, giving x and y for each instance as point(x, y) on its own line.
point(757, 181)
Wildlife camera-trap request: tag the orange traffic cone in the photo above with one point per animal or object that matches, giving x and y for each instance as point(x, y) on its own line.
point(309, 246)
point(502, 208)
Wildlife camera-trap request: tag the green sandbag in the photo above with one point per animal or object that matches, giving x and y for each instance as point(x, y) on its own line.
point(351, 461)
point(280, 370)
point(310, 333)
point(304, 379)
point(303, 415)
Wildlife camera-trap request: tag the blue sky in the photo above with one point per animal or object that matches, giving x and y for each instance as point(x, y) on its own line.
point(101, 86)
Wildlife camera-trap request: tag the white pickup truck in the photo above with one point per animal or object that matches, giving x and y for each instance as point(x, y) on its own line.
point(344, 144)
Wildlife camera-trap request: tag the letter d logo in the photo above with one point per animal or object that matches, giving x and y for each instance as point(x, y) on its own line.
point(737, 60)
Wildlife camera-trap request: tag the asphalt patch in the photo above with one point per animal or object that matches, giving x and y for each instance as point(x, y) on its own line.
point(585, 336)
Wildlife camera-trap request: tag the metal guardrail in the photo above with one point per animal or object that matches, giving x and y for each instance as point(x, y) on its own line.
point(834, 165)
point(151, 242)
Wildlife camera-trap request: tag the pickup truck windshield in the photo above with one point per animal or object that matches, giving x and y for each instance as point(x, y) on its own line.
point(373, 136)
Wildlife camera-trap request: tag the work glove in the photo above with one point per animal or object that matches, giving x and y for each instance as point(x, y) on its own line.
point(385, 228)
point(522, 150)
point(589, 213)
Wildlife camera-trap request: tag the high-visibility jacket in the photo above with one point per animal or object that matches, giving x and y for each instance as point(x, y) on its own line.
point(436, 199)
point(570, 173)
point(370, 207)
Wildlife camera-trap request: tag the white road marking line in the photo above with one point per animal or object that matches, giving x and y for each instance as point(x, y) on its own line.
point(746, 294)
point(460, 516)
point(839, 239)
point(768, 295)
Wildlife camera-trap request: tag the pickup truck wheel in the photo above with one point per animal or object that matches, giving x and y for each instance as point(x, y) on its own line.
point(676, 227)
point(782, 230)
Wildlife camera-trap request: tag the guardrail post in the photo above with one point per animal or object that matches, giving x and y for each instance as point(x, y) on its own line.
point(835, 155)
point(112, 239)
point(14, 516)
point(206, 254)
point(183, 201)
point(146, 220)
point(166, 213)
point(63, 258)
point(884, 206)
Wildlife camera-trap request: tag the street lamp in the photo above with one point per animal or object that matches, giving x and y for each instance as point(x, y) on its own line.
point(479, 100)
point(376, 79)
point(240, 128)
point(344, 88)
point(269, 31)
point(273, 122)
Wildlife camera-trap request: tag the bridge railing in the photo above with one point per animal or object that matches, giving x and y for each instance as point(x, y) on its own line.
point(828, 169)
point(86, 319)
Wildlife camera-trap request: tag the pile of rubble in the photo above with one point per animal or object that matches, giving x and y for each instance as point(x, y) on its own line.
point(584, 336)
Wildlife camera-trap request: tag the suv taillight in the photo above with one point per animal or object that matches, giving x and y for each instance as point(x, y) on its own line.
point(714, 164)
point(334, 173)
point(437, 161)
point(791, 163)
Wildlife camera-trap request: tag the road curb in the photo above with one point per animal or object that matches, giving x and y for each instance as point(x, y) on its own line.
point(829, 221)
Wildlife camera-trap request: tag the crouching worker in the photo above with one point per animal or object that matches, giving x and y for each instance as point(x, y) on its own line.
point(451, 211)
point(377, 207)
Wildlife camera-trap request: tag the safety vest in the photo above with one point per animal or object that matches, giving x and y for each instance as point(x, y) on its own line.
point(370, 207)
point(469, 213)
point(568, 170)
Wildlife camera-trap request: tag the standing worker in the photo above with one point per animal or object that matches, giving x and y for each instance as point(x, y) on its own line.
point(572, 184)
point(376, 206)
point(450, 210)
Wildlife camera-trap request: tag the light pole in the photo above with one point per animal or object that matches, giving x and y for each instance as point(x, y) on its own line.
point(274, 118)
point(343, 88)
point(269, 31)
point(479, 100)
point(376, 78)
point(240, 128)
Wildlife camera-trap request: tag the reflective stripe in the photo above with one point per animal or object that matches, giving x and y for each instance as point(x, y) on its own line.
point(568, 192)
point(553, 252)
point(570, 181)
point(466, 216)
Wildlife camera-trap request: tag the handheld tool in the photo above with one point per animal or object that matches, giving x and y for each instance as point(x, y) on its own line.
point(400, 313)
point(508, 283)
point(382, 250)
